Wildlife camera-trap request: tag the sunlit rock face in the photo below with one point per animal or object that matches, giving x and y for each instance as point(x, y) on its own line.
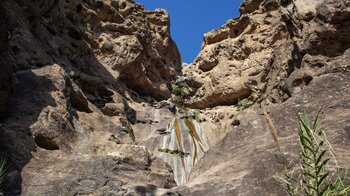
point(268, 51)
point(277, 56)
point(85, 88)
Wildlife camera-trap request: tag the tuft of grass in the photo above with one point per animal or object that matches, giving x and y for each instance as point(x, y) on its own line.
point(313, 177)
point(181, 91)
point(273, 130)
point(190, 128)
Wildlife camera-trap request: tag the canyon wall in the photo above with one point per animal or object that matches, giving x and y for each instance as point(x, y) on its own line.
point(85, 88)
point(279, 57)
point(70, 71)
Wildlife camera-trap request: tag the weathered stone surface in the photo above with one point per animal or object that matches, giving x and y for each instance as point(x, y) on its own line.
point(138, 46)
point(79, 64)
point(86, 79)
point(112, 109)
point(246, 161)
point(259, 52)
point(108, 39)
point(288, 54)
point(76, 152)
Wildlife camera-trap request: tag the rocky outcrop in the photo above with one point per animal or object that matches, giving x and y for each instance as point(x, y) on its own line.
point(84, 96)
point(74, 70)
point(68, 150)
point(278, 56)
point(111, 40)
point(246, 161)
point(265, 52)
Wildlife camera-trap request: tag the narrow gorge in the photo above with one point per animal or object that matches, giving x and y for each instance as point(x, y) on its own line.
point(90, 101)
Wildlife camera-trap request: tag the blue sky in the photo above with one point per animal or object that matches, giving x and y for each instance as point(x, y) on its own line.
point(190, 19)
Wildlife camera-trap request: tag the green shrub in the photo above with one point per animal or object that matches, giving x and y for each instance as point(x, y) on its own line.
point(244, 103)
point(180, 91)
point(313, 178)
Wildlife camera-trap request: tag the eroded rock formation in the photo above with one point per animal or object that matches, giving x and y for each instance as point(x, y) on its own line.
point(247, 162)
point(72, 69)
point(269, 51)
point(84, 94)
point(278, 56)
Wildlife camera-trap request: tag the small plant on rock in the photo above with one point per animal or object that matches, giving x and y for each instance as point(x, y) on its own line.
point(244, 103)
point(313, 177)
point(181, 91)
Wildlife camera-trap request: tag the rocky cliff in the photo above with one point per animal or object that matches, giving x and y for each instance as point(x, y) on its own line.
point(273, 49)
point(278, 56)
point(72, 69)
point(85, 88)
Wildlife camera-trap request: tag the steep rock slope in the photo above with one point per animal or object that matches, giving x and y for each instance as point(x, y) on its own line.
point(278, 56)
point(268, 54)
point(72, 69)
point(272, 50)
point(84, 87)
point(246, 161)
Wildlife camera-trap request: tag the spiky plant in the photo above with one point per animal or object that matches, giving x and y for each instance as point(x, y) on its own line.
point(313, 176)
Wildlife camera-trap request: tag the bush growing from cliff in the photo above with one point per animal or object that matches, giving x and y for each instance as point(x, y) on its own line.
point(244, 103)
point(313, 178)
point(180, 91)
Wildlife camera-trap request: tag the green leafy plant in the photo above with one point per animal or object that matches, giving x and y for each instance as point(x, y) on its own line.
point(313, 176)
point(244, 103)
point(181, 91)
point(196, 115)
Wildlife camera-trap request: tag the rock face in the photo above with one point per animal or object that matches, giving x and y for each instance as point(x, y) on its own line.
point(84, 95)
point(6, 74)
point(73, 70)
point(279, 56)
point(268, 51)
point(107, 39)
point(246, 161)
